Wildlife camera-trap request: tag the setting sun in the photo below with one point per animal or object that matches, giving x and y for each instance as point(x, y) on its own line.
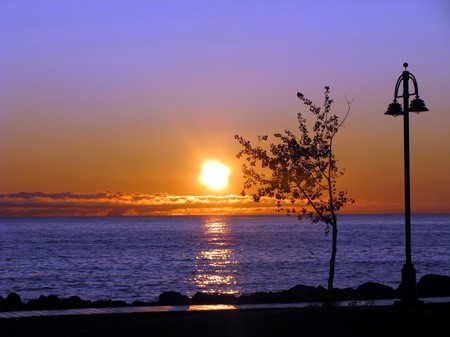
point(214, 175)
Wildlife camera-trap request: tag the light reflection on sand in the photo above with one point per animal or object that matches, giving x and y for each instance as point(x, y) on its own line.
point(216, 267)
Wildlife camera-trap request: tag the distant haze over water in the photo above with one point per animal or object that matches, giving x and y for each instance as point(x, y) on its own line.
point(137, 258)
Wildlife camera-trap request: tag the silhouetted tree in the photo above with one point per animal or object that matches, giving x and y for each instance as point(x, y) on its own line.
point(301, 169)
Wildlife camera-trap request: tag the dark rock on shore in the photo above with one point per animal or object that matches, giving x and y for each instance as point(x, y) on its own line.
point(13, 302)
point(45, 302)
point(345, 294)
point(299, 293)
point(206, 298)
point(173, 298)
point(258, 297)
point(432, 285)
point(52, 302)
point(429, 285)
point(303, 293)
point(306, 293)
point(76, 302)
point(373, 291)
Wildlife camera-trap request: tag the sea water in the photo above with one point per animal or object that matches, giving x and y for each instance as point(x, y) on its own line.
point(138, 258)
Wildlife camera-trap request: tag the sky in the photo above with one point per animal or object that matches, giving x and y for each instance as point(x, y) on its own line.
point(111, 107)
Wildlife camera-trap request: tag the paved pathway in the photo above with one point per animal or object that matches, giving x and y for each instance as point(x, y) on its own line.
point(209, 307)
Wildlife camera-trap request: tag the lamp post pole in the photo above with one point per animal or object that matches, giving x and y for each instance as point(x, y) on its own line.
point(408, 271)
point(408, 285)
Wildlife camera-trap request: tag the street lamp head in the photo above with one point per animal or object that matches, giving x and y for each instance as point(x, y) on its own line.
point(394, 109)
point(417, 105)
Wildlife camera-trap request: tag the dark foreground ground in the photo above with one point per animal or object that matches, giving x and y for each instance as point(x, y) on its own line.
point(428, 320)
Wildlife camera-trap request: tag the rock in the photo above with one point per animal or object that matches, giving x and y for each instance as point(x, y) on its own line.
point(258, 297)
point(45, 302)
point(374, 290)
point(75, 302)
point(138, 304)
point(432, 285)
point(205, 298)
point(344, 294)
point(301, 293)
point(53, 302)
point(35, 304)
point(13, 302)
point(173, 298)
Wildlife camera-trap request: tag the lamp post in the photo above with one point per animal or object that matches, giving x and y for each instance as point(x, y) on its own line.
point(408, 295)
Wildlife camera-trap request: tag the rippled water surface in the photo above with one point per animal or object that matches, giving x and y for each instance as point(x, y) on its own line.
point(137, 258)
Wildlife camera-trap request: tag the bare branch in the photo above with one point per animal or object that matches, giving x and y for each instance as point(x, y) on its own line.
point(349, 107)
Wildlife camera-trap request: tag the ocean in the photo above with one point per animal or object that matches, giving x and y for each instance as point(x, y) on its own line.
point(138, 258)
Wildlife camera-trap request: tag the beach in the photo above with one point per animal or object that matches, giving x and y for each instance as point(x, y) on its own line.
point(427, 320)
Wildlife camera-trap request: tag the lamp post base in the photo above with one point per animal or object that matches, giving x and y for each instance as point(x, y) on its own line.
point(408, 296)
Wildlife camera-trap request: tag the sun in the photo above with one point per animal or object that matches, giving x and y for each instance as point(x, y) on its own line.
point(214, 175)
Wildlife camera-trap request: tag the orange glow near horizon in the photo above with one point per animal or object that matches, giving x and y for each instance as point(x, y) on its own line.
point(138, 204)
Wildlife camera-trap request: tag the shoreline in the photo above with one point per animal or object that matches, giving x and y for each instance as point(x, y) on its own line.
point(429, 285)
point(202, 315)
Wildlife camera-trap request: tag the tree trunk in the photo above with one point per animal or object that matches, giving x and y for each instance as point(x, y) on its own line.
point(332, 263)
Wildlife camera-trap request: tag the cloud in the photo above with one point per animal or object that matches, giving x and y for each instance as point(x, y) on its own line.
point(127, 204)
point(38, 204)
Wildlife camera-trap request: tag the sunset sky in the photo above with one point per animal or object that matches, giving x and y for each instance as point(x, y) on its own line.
point(111, 107)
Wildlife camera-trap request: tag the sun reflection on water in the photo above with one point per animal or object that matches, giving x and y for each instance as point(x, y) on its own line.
point(216, 266)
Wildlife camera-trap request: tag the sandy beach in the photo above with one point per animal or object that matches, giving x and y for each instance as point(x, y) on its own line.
point(428, 320)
